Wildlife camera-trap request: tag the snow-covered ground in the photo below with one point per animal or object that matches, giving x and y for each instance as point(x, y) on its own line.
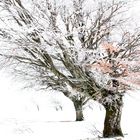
point(29, 115)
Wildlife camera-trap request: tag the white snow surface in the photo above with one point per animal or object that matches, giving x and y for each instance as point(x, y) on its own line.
point(32, 115)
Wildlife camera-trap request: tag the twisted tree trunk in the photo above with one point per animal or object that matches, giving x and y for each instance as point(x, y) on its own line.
point(112, 123)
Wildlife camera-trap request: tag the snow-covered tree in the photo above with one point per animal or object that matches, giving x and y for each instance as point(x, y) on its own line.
point(24, 21)
point(80, 48)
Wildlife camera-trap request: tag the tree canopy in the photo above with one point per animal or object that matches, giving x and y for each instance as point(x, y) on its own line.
point(69, 48)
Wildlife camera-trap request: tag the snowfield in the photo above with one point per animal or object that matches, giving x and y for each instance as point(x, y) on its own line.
point(36, 130)
point(28, 115)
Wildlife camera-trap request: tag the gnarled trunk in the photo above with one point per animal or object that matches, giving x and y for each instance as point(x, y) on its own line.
point(79, 110)
point(112, 126)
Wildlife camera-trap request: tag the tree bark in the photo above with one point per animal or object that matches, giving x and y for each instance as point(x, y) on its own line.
point(112, 126)
point(79, 110)
point(78, 101)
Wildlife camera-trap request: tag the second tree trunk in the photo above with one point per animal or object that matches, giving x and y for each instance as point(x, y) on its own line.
point(79, 110)
point(112, 126)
